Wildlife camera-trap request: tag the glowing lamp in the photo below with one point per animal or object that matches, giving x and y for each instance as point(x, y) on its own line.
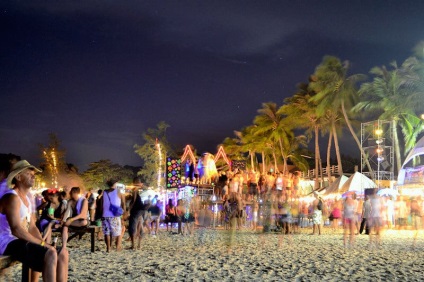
point(379, 141)
point(379, 132)
point(380, 159)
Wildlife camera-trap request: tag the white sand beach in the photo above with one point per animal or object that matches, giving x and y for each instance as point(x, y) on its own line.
point(254, 257)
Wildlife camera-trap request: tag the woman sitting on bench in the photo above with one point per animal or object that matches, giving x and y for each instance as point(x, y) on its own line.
point(76, 214)
point(51, 215)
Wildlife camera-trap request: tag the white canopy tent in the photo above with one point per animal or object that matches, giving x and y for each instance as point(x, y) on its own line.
point(357, 182)
point(335, 187)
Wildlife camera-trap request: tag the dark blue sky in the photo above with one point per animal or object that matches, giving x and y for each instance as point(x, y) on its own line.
point(99, 73)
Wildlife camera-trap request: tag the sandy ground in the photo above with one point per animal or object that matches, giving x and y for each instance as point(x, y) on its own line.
point(254, 256)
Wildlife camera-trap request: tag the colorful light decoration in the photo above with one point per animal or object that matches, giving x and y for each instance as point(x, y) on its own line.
point(173, 173)
point(221, 153)
point(188, 153)
point(52, 163)
point(159, 163)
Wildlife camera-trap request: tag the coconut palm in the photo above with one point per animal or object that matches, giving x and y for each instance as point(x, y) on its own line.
point(261, 143)
point(390, 95)
point(232, 147)
point(332, 124)
point(336, 90)
point(248, 142)
point(303, 115)
point(270, 123)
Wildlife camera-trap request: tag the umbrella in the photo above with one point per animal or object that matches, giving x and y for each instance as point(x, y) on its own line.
point(348, 193)
point(358, 194)
point(388, 192)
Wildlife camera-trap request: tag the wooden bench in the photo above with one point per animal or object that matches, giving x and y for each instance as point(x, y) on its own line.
point(7, 261)
point(77, 232)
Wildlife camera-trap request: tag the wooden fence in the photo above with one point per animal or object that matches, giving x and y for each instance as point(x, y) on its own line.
point(334, 169)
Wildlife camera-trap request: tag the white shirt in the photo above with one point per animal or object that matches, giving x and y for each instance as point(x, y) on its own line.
point(5, 232)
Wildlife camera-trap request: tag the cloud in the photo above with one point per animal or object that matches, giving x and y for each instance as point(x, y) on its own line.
point(237, 29)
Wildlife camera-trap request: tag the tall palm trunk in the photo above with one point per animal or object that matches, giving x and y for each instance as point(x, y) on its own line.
point(397, 146)
point(275, 160)
point(252, 165)
point(336, 146)
point(317, 158)
point(329, 157)
point(364, 156)
point(283, 156)
point(263, 163)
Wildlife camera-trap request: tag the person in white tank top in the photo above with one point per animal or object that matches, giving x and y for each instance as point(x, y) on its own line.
point(19, 236)
point(234, 185)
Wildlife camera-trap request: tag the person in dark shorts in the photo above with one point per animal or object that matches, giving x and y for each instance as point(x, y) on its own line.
point(155, 214)
point(137, 214)
point(253, 184)
point(76, 215)
point(19, 236)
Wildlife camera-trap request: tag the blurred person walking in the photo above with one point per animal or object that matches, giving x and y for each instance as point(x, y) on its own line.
point(366, 213)
point(137, 214)
point(111, 224)
point(375, 221)
point(349, 221)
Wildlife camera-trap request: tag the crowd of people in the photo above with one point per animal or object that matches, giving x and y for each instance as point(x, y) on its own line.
point(277, 199)
point(247, 200)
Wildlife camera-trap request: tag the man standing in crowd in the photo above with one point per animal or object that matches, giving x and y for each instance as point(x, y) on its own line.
point(112, 227)
point(318, 206)
point(366, 211)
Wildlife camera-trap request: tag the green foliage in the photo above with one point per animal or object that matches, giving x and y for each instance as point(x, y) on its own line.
point(99, 172)
point(148, 152)
point(394, 94)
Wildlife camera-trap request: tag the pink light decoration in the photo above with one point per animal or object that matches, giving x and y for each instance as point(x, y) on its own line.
point(221, 153)
point(188, 152)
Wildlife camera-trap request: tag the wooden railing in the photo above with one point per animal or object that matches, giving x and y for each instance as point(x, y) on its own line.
point(334, 169)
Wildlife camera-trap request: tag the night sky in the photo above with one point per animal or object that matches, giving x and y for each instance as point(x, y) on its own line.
point(99, 73)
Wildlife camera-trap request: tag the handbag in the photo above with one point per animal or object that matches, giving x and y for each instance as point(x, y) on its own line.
point(115, 210)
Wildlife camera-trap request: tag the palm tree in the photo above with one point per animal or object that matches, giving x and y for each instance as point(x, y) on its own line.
point(290, 145)
point(335, 90)
point(389, 95)
point(302, 113)
point(248, 142)
point(332, 124)
point(232, 147)
point(270, 123)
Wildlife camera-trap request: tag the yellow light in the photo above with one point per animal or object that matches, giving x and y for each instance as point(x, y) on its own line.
point(378, 131)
